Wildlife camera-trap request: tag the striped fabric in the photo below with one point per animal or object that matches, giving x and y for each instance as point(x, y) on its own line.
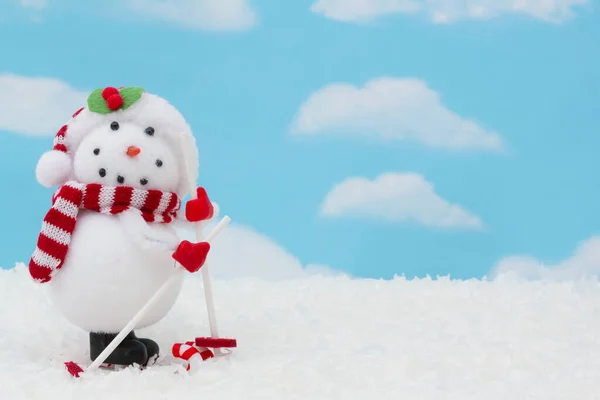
point(187, 352)
point(59, 223)
point(59, 140)
point(60, 143)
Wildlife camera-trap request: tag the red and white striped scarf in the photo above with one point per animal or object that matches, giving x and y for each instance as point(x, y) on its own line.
point(59, 223)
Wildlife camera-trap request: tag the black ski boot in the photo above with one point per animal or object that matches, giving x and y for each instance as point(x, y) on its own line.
point(152, 348)
point(130, 351)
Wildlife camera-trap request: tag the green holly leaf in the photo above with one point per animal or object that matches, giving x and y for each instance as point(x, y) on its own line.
point(130, 95)
point(96, 103)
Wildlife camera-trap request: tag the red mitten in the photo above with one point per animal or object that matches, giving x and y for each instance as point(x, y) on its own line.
point(191, 255)
point(199, 209)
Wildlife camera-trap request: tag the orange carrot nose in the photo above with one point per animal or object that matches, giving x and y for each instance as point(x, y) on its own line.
point(133, 151)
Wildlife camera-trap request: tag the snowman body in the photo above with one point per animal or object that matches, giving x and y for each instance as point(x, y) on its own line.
point(115, 263)
point(107, 277)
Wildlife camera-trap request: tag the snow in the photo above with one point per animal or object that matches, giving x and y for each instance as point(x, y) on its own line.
point(330, 337)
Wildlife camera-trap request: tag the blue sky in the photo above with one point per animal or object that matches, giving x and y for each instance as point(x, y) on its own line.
point(487, 128)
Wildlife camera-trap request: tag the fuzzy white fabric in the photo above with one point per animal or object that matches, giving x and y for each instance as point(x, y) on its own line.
point(53, 168)
point(149, 111)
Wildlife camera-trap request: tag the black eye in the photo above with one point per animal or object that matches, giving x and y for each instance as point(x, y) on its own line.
point(114, 126)
point(102, 172)
point(144, 181)
point(96, 151)
point(120, 179)
point(149, 131)
point(159, 163)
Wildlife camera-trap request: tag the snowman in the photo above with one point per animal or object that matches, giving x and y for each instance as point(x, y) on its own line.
point(108, 241)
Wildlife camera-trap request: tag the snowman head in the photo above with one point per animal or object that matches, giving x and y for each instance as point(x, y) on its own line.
point(124, 137)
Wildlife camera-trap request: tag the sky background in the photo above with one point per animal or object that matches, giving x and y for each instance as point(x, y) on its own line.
point(375, 138)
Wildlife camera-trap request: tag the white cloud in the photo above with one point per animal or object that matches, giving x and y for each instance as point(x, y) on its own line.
point(584, 263)
point(211, 15)
point(445, 11)
point(241, 252)
point(33, 4)
point(35, 105)
point(396, 197)
point(390, 109)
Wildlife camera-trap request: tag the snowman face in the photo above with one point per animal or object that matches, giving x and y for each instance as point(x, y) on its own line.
point(123, 153)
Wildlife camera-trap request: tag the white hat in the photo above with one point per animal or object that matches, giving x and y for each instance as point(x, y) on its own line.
point(55, 167)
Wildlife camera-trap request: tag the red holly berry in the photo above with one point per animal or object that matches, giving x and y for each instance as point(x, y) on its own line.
point(114, 102)
point(109, 91)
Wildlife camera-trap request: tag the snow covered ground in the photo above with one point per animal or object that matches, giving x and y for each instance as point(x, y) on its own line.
point(320, 337)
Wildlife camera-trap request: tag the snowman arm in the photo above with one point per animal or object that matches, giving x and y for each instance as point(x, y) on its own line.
point(145, 235)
